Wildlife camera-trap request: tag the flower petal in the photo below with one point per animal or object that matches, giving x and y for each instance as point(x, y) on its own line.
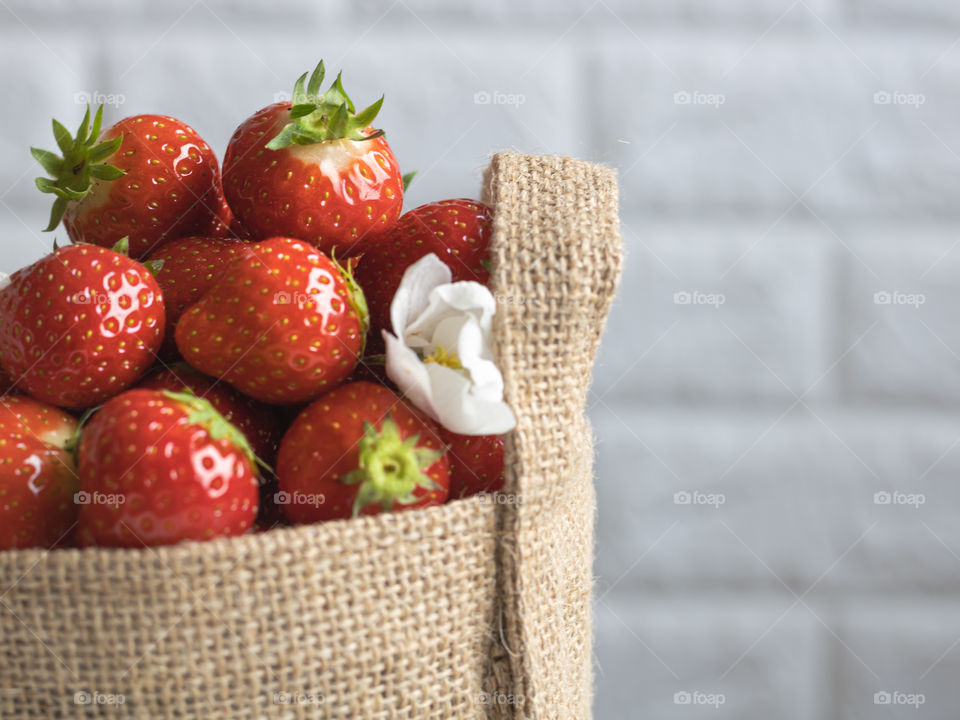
point(410, 374)
point(454, 299)
point(462, 411)
point(413, 295)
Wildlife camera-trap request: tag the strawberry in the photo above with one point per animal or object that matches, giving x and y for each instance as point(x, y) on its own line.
point(164, 182)
point(360, 450)
point(456, 231)
point(314, 170)
point(185, 269)
point(79, 325)
point(283, 325)
point(37, 477)
point(476, 463)
point(256, 421)
point(158, 467)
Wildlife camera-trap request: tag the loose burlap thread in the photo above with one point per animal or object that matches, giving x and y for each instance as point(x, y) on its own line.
point(475, 609)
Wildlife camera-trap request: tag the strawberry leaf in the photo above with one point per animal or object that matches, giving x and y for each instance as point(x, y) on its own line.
point(51, 162)
point(104, 149)
point(81, 163)
point(95, 130)
point(122, 246)
point(331, 116)
point(316, 80)
point(106, 172)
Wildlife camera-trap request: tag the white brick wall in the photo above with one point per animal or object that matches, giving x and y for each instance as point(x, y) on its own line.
point(793, 393)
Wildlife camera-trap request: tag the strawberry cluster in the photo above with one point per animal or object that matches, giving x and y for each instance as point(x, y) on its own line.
point(205, 358)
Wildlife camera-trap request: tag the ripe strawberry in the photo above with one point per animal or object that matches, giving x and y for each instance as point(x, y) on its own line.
point(456, 231)
point(257, 422)
point(314, 170)
point(37, 477)
point(360, 450)
point(476, 463)
point(283, 325)
point(157, 468)
point(164, 182)
point(187, 269)
point(79, 325)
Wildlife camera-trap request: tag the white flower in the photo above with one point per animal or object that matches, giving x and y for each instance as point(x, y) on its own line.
point(439, 353)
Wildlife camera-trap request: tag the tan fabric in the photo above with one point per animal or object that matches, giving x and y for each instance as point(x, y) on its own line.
point(469, 610)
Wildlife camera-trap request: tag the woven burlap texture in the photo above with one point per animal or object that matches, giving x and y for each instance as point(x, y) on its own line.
point(470, 610)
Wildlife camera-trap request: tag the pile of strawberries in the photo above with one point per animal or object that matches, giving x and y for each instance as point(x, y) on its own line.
point(203, 359)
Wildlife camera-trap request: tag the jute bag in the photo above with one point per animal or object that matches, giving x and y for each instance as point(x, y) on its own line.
point(479, 608)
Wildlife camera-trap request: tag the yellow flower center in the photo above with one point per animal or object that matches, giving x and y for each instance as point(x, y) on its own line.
point(441, 357)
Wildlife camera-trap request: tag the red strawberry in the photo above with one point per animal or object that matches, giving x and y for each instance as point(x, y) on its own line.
point(163, 183)
point(360, 450)
point(476, 463)
point(80, 325)
point(257, 422)
point(187, 269)
point(157, 468)
point(283, 325)
point(456, 231)
point(314, 170)
point(37, 477)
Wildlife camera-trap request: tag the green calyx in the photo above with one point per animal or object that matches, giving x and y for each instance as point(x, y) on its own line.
point(201, 412)
point(355, 296)
point(81, 163)
point(122, 246)
point(389, 468)
point(72, 446)
point(316, 118)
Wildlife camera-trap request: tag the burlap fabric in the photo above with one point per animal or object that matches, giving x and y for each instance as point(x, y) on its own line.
point(476, 609)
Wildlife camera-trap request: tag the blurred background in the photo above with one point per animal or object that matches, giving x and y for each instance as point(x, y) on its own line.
point(775, 402)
